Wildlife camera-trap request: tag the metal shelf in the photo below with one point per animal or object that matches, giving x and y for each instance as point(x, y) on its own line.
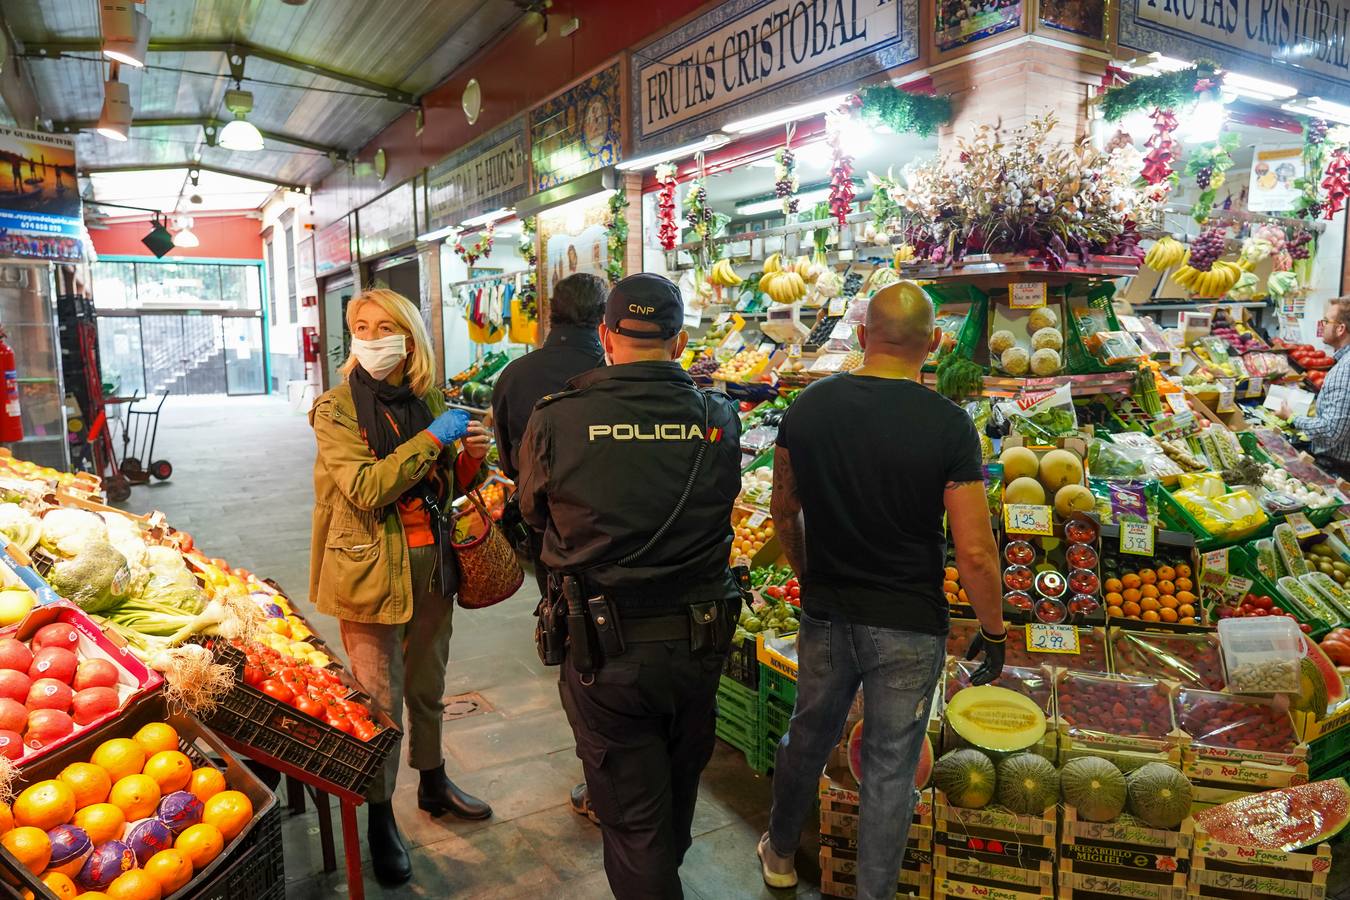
point(1189, 307)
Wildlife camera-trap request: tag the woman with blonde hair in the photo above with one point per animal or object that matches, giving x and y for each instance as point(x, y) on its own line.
point(385, 476)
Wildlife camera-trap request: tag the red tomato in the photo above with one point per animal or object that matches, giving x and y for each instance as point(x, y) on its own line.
point(363, 729)
point(310, 707)
point(253, 675)
point(1263, 602)
point(276, 690)
point(341, 723)
point(355, 710)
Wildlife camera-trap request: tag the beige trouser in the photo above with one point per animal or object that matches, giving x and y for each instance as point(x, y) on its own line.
point(405, 663)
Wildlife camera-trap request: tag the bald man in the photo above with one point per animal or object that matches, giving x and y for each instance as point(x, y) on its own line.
point(867, 463)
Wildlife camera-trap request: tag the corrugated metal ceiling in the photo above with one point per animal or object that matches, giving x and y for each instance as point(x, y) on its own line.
point(406, 45)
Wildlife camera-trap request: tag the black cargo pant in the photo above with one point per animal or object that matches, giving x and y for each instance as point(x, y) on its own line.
point(644, 730)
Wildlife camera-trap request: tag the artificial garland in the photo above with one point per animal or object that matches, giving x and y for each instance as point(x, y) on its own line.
point(841, 179)
point(1336, 182)
point(903, 112)
point(529, 294)
point(1207, 166)
point(785, 178)
point(1169, 90)
point(696, 210)
point(481, 249)
point(1309, 205)
point(618, 236)
point(1162, 149)
point(666, 229)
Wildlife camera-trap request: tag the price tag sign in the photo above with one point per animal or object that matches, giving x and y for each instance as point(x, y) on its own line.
point(1176, 401)
point(794, 351)
point(733, 342)
point(1174, 358)
point(1255, 387)
point(838, 306)
point(1026, 294)
point(757, 518)
point(1303, 528)
point(1136, 537)
point(1026, 518)
point(842, 332)
point(1235, 586)
point(1043, 638)
point(1227, 392)
point(1215, 561)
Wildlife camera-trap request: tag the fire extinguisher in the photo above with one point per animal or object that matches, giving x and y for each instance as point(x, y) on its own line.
point(11, 426)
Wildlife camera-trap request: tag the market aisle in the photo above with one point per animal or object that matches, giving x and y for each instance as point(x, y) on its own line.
point(242, 487)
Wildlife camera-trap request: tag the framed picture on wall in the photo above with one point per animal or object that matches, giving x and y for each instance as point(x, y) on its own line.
point(1084, 18)
point(963, 22)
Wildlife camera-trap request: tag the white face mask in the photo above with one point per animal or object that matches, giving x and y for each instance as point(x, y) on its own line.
point(380, 357)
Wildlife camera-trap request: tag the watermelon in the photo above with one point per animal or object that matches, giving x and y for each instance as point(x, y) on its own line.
point(922, 772)
point(1159, 795)
point(995, 718)
point(1331, 680)
point(1027, 784)
point(1285, 819)
point(1094, 787)
point(967, 777)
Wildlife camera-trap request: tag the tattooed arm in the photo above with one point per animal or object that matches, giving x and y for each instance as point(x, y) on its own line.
point(786, 506)
point(976, 552)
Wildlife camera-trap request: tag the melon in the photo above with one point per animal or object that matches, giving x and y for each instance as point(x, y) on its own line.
point(1027, 784)
point(967, 777)
point(922, 771)
point(1331, 679)
point(1312, 690)
point(1286, 819)
point(1074, 498)
point(1060, 467)
point(1018, 462)
point(1024, 490)
point(995, 718)
point(1159, 795)
point(1094, 787)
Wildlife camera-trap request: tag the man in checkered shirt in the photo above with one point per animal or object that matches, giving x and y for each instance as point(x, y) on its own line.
point(1329, 429)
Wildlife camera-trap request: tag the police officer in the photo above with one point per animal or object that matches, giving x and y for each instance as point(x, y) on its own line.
point(631, 475)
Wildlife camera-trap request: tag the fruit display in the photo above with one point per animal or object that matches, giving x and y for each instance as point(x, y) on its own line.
point(742, 367)
point(1306, 356)
point(1027, 784)
point(1231, 722)
point(1026, 342)
point(1286, 819)
point(1158, 794)
point(1054, 478)
point(786, 283)
point(995, 718)
point(313, 690)
point(1032, 683)
point(749, 535)
point(1165, 253)
point(1194, 660)
point(1113, 705)
point(1094, 787)
point(1164, 594)
point(757, 486)
point(1090, 658)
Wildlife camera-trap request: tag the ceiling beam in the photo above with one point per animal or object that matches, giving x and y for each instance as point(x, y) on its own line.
point(212, 128)
point(17, 95)
point(86, 171)
point(237, 51)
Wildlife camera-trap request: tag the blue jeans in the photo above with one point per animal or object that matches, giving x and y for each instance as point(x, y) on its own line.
point(898, 671)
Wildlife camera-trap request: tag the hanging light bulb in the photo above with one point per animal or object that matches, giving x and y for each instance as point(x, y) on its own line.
point(240, 134)
point(126, 32)
point(114, 121)
point(184, 236)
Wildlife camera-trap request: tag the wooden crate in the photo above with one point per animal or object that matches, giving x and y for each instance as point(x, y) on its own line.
point(944, 888)
point(1124, 858)
point(839, 843)
point(839, 870)
point(992, 851)
point(1219, 780)
point(1233, 872)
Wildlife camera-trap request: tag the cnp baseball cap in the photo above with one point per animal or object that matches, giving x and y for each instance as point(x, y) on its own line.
point(646, 298)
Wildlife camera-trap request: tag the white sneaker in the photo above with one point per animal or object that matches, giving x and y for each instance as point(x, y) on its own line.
point(778, 871)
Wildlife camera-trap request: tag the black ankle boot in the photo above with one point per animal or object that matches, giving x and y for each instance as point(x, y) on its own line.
point(388, 856)
point(438, 795)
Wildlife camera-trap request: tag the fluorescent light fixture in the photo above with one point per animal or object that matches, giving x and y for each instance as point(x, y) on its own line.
point(126, 32)
point(185, 238)
point(1321, 109)
point(488, 218)
point(437, 233)
point(1256, 88)
point(711, 142)
point(1203, 123)
point(114, 121)
point(785, 115)
point(1153, 64)
point(775, 204)
point(240, 135)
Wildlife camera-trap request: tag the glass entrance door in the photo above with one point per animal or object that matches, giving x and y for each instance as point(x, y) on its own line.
point(244, 371)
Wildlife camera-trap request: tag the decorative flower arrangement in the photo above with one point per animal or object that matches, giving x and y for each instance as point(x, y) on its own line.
point(1023, 193)
point(529, 292)
point(481, 248)
point(666, 229)
point(618, 236)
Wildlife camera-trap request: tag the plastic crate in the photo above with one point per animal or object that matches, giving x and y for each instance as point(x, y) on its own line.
point(775, 685)
point(777, 717)
point(741, 665)
point(251, 865)
point(280, 731)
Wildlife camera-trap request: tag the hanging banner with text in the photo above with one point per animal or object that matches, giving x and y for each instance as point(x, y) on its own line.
point(488, 174)
point(39, 197)
point(747, 57)
point(1302, 44)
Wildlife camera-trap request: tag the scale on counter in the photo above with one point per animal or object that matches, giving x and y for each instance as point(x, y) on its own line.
point(783, 323)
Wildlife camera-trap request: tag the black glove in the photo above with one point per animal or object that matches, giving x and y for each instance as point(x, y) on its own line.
point(993, 649)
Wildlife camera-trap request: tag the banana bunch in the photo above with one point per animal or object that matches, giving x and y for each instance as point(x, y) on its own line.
point(903, 254)
point(1165, 254)
point(723, 275)
point(773, 264)
point(783, 286)
point(1221, 278)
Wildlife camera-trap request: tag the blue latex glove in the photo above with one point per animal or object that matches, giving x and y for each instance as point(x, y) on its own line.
point(449, 426)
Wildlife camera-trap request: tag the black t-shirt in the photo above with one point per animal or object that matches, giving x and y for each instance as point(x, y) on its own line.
point(872, 457)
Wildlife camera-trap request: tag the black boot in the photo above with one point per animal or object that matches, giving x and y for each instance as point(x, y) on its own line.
point(438, 795)
point(388, 856)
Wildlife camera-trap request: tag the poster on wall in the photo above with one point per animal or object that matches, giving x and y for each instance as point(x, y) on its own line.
point(575, 239)
point(1082, 17)
point(1275, 174)
point(39, 196)
point(962, 22)
point(333, 247)
point(578, 131)
point(387, 222)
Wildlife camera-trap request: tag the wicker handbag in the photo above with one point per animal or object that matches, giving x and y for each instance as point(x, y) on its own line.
point(488, 569)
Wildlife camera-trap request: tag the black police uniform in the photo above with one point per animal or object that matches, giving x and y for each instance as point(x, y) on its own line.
point(602, 468)
point(568, 351)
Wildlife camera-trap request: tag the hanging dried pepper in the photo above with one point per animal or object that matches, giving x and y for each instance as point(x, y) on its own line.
point(841, 179)
point(1336, 182)
point(1162, 148)
point(666, 229)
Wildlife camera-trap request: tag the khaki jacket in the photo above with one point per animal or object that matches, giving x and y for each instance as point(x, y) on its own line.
point(359, 564)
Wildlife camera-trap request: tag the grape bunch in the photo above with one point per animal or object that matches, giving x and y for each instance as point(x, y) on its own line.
point(1203, 176)
point(699, 213)
point(1206, 248)
point(1317, 131)
point(1299, 245)
point(853, 283)
point(785, 185)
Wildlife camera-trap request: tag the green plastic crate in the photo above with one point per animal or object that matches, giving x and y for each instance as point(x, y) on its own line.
point(776, 719)
point(776, 685)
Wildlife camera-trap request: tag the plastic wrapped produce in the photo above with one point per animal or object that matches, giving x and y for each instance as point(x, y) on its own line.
point(1234, 722)
point(1103, 704)
point(1194, 660)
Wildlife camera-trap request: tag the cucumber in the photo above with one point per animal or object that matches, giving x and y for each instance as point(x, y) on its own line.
point(1286, 545)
